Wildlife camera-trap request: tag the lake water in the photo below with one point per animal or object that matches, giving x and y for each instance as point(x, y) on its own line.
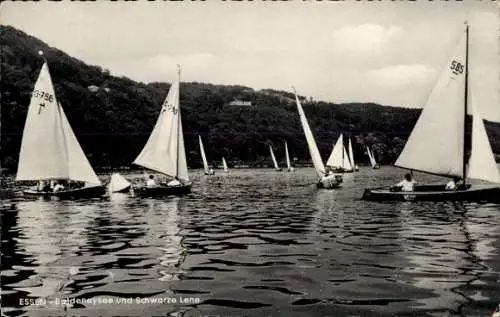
point(251, 243)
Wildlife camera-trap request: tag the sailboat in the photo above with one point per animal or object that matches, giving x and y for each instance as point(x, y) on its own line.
point(288, 164)
point(164, 151)
point(224, 165)
point(339, 161)
point(208, 171)
point(351, 156)
point(371, 156)
point(444, 116)
point(326, 180)
point(118, 184)
point(276, 167)
point(50, 152)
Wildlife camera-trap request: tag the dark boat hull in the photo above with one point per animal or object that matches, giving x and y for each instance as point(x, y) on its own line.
point(341, 170)
point(332, 182)
point(161, 191)
point(84, 192)
point(435, 193)
point(209, 173)
point(376, 167)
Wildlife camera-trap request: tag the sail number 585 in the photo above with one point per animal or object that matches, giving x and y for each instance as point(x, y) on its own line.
point(457, 67)
point(43, 95)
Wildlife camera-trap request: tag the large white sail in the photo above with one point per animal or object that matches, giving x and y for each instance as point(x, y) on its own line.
point(49, 149)
point(436, 144)
point(224, 165)
point(336, 158)
point(78, 165)
point(288, 164)
point(351, 154)
point(203, 156)
point(311, 143)
point(164, 151)
point(43, 152)
point(482, 163)
point(274, 158)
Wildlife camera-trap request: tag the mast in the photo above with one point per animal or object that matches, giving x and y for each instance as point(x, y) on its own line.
point(179, 118)
point(464, 162)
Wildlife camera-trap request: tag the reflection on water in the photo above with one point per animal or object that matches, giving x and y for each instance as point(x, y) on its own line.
point(252, 243)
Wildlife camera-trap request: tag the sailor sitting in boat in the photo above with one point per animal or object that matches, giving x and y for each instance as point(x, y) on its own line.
point(174, 182)
point(151, 181)
point(58, 187)
point(406, 185)
point(452, 184)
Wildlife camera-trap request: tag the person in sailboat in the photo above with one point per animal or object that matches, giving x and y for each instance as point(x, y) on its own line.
point(174, 182)
point(406, 185)
point(58, 187)
point(151, 181)
point(452, 184)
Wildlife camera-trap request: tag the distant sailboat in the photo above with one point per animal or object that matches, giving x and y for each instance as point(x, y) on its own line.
point(437, 142)
point(288, 164)
point(164, 151)
point(351, 156)
point(326, 180)
point(224, 165)
point(276, 167)
point(118, 184)
point(207, 170)
point(339, 161)
point(371, 156)
point(50, 152)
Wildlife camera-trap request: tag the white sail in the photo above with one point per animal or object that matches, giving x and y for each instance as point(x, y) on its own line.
point(118, 182)
point(311, 143)
point(78, 165)
point(274, 158)
point(371, 156)
point(224, 165)
point(346, 163)
point(43, 151)
point(164, 151)
point(436, 144)
point(49, 148)
point(336, 158)
point(351, 154)
point(203, 156)
point(482, 163)
point(288, 164)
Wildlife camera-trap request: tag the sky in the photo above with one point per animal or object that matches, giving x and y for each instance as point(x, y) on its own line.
point(388, 52)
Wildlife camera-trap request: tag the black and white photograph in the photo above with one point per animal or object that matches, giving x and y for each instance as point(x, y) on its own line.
point(250, 158)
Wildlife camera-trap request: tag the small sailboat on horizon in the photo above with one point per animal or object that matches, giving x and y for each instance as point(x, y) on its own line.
point(207, 170)
point(288, 164)
point(339, 161)
point(351, 156)
point(118, 184)
point(50, 152)
point(164, 151)
point(275, 163)
point(326, 180)
point(438, 147)
point(371, 156)
point(224, 165)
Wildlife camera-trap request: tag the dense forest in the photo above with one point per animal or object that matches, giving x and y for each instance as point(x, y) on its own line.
point(113, 116)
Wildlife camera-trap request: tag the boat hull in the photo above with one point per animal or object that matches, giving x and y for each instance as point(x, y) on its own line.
point(376, 167)
point(162, 191)
point(84, 192)
point(341, 170)
point(209, 173)
point(435, 193)
point(278, 169)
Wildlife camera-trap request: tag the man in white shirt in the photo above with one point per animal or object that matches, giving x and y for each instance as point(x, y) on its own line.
point(407, 184)
point(452, 184)
point(151, 181)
